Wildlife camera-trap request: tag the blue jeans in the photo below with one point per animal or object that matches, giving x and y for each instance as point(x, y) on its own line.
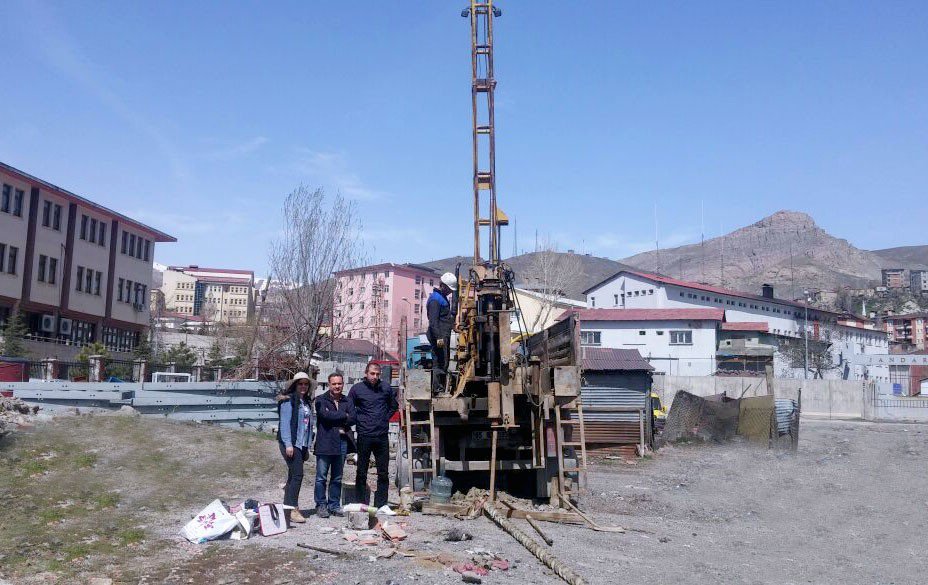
point(325, 464)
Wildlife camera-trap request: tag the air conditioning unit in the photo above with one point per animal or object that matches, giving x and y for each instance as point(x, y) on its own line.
point(48, 324)
point(64, 327)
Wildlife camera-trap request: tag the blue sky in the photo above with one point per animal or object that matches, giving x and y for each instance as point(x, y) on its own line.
point(198, 118)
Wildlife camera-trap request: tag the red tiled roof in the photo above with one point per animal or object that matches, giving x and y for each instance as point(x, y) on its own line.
point(708, 314)
point(702, 287)
point(760, 326)
point(598, 359)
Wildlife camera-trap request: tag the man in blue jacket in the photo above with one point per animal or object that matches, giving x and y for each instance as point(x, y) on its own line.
point(334, 440)
point(441, 321)
point(374, 402)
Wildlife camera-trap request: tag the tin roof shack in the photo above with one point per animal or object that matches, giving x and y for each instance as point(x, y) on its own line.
point(616, 398)
point(745, 348)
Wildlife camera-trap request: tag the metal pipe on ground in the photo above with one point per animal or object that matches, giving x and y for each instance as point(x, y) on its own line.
point(550, 561)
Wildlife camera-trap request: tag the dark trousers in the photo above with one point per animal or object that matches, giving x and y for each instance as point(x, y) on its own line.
point(380, 447)
point(294, 473)
point(439, 361)
point(324, 465)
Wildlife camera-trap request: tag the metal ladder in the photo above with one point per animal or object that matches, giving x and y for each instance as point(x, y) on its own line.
point(569, 422)
point(429, 445)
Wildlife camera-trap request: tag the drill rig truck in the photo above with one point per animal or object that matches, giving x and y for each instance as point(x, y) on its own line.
point(509, 414)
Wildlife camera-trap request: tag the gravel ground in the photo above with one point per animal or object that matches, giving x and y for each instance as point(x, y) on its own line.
point(850, 507)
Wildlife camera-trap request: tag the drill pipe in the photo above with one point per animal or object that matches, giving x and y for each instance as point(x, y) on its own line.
point(562, 570)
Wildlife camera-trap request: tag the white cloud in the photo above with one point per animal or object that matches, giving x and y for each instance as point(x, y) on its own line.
point(331, 170)
point(236, 150)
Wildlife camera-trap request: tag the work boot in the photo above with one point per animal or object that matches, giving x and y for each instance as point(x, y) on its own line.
point(322, 512)
point(296, 517)
point(336, 512)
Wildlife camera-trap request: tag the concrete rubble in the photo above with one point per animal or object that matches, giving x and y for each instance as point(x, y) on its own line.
point(15, 414)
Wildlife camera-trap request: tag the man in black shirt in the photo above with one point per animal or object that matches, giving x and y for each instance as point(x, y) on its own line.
point(374, 402)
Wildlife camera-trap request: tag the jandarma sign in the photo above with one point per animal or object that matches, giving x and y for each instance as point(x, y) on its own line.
point(891, 360)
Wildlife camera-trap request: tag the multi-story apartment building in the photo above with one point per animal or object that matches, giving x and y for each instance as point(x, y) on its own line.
point(918, 280)
point(907, 331)
point(78, 271)
point(218, 295)
point(895, 277)
point(370, 303)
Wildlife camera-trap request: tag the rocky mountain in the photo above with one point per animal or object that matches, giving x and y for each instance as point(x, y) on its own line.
point(585, 270)
point(904, 257)
point(786, 249)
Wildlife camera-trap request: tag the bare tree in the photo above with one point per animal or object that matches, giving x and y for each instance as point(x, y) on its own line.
point(320, 236)
point(549, 275)
point(821, 358)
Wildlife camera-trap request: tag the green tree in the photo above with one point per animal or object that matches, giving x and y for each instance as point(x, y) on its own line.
point(13, 333)
point(215, 355)
point(95, 348)
point(143, 351)
point(181, 354)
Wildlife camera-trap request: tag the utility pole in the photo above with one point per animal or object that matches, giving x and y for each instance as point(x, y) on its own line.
point(805, 331)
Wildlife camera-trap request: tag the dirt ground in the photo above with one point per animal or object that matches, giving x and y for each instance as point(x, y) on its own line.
point(104, 496)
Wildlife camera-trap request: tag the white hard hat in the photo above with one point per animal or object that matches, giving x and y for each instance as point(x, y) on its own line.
point(450, 280)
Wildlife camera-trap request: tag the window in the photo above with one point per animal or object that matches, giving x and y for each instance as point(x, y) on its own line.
point(128, 291)
point(417, 308)
point(11, 260)
point(79, 281)
point(5, 201)
point(659, 332)
point(681, 294)
point(132, 245)
point(84, 219)
point(681, 338)
point(386, 288)
point(88, 282)
point(350, 292)
point(361, 290)
point(642, 332)
point(386, 274)
point(46, 213)
point(651, 291)
point(93, 231)
point(591, 338)
point(125, 239)
point(593, 302)
point(43, 264)
point(362, 305)
point(138, 248)
point(431, 282)
point(122, 282)
point(147, 250)
point(96, 282)
point(616, 300)
point(386, 304)
point(56, 218)
point(52, 270)
point(18, 203)
point(2, 256)
point(102, 238)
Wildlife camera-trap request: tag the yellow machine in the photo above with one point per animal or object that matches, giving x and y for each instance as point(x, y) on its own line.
point(510, 415)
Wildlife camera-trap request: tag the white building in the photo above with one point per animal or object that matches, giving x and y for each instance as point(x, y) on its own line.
point(783, 319)
point(219, 295)
point(919, 281)
point(679, 342)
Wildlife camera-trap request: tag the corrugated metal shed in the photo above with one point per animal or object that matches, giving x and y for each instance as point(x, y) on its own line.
point(615, 428)
point(598, 359)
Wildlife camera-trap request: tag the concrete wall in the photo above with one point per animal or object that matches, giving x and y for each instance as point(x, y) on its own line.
point(831, 398)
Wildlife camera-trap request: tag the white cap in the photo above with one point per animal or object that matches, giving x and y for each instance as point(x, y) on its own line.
point(450, 280)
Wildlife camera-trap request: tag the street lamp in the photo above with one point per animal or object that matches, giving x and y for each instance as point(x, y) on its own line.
point(805, 331)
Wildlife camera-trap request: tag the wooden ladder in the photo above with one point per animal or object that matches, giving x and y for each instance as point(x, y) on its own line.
point(569, 422)
point(428, 445)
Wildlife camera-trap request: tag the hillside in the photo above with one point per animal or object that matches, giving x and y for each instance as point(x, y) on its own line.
point(589, 269)
point(904, 257)
point(786, 249)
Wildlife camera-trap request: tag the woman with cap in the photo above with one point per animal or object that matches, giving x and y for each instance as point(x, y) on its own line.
point(294, 435)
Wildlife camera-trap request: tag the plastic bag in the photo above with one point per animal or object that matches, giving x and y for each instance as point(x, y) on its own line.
point(211, 523)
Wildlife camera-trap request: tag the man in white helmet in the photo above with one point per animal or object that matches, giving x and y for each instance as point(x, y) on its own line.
point(441, 321)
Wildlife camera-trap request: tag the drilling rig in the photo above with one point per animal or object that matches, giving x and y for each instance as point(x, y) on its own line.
point(509, 415)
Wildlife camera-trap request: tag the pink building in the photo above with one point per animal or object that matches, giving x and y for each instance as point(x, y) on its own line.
point(372, 302)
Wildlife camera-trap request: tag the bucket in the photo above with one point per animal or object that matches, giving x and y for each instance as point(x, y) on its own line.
point(440, 490)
